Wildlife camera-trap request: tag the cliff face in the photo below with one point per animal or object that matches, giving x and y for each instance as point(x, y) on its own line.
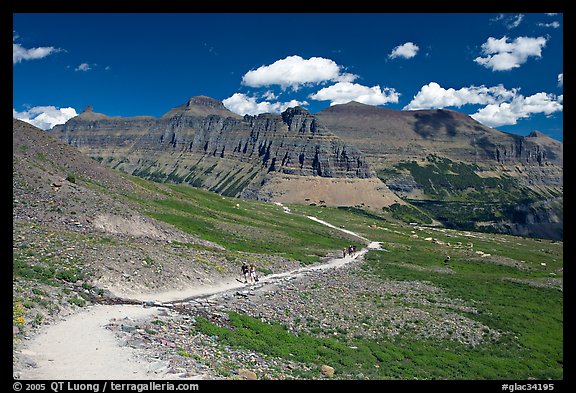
point(204, 144)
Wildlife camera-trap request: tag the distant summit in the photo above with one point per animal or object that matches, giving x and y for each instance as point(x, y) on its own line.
point(538, 134)
point(89, 114)
point(544, 140)
point(535, 134)
point(208, 102)
point(201, 106)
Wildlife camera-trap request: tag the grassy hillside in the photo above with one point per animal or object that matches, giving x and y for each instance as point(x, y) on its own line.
point(511, 285)
point(248, 226)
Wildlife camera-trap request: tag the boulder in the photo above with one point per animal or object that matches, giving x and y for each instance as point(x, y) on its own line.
point(327, 370)
point(247, 374)
point(127, 328)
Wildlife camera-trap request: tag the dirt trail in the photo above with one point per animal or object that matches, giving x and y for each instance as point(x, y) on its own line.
point(80, 347)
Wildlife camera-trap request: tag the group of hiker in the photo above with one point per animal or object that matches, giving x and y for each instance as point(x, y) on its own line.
point(351, 250)
point(249, 273)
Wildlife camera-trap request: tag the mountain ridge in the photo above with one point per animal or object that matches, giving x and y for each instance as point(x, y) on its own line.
point(443, 161)
point(345, 155)
point(203, 144)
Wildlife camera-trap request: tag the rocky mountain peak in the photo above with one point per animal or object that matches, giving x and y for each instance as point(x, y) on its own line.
point(297, 110)
point(88, 114)
point(545, 142)
point(201, 106)
point(299, 119)
point(536, 134)
point(356, 104)
point(206, 102)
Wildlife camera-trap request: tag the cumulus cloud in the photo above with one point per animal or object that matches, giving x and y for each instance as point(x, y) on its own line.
point(343, 92)
point(501, 55)
point(508, 113)
point(244, 105)
point(407, 51)
point(561, 80)
point(433, 95)
point(83, 67)
point(500, 105)
point(19, 53)
point(45, 117)
point(294, 71)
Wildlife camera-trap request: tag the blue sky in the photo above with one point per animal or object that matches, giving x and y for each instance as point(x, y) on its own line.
point(505, 70)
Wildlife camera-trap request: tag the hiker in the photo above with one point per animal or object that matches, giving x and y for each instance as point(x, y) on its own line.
point(253, 273)
point(245, 272)
point(350, 250)
point(344, 253)
point(447, 259)
point(354, 249)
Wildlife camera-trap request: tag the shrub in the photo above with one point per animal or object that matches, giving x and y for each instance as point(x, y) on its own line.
point(71, 178)
point(78, 301)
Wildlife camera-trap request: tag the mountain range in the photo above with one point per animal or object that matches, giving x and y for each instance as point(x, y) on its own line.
point(430, 166)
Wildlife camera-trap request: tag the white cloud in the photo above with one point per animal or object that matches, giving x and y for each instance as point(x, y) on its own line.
point(45, 117)
point(561, 80)
point(509, 21)
point(554, 24)
point(433, 95)
point(501, 106)
point(83, 67)
point(508, 113)
point(19, 53)
point(269, 95)
point(244, 105)
point(343, 92)
point(294, 71)
point(515, 21)
point(502, 55)
point(407, 51)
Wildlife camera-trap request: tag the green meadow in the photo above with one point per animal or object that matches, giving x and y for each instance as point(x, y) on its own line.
point(514, 283)
point(240, 225)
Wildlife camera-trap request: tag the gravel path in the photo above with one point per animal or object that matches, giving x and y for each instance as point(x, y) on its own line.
point(80, 348)
point(86, 345)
